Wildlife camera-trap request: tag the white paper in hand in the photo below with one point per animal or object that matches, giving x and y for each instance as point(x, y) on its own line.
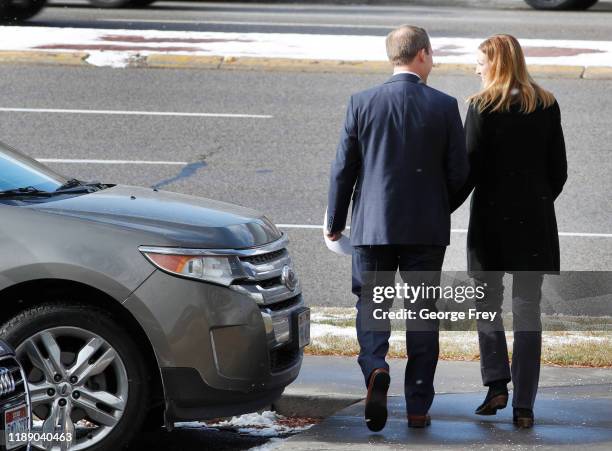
point(342, 246)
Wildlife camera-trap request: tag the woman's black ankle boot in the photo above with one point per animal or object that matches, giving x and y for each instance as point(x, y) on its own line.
point(497, 398)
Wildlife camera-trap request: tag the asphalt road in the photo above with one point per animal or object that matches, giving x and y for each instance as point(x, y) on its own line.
point(200, 439)
point(497, 16)
point(278, 165)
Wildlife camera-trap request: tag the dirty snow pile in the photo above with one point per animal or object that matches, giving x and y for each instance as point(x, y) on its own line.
point(265, 424)
point(110, 59)
point(105, 44)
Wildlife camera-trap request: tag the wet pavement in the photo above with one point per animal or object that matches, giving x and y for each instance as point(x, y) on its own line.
point(568, 417)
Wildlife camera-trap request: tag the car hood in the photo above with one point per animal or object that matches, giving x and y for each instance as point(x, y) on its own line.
point(174, 219)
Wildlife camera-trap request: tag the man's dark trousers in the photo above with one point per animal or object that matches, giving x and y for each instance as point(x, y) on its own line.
point(377, 266)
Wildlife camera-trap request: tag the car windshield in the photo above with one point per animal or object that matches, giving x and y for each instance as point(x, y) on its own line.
point(20, 171)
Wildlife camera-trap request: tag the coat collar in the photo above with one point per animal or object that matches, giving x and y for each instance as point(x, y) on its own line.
point(405, 77)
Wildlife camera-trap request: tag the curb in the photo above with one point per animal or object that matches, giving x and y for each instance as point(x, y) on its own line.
point(44, 58)
point(167, 61)
point(556, 71)
point(514, 4)
point(598, 73)
point(302, 404)
point(304, 65)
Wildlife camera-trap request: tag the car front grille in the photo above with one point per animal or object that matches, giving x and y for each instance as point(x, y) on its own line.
point(267, 283)
point(264, 258)
point(269, 280)
point(264, 269)
point(11, 380)
point(283, 305)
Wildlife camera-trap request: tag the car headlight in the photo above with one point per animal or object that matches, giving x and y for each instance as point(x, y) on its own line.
point(221, 269)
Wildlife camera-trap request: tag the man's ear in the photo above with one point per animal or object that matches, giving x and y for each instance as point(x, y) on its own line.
point(422, 55)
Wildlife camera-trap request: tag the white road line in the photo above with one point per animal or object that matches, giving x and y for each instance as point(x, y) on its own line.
point(309, 226)
point(233, 22)
point(71, 161)
point(593, 235)
point(576, 234)
point(300, 226)
point(135, 113)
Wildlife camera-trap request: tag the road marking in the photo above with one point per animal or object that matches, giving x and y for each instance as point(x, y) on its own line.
point(310, 226)
point(595, 235)
point(135, 113)
point(577, 234)
point(300, 226)
point(77, 161)
point(266, 24)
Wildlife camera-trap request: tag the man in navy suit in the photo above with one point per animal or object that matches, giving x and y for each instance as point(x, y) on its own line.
point(401, 159)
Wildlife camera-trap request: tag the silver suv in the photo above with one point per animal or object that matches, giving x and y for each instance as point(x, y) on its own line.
point(131, 307)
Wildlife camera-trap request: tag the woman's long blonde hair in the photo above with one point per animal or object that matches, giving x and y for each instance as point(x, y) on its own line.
point(508, 70)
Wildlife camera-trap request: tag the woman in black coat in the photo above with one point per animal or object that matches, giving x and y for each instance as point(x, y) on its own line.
point(517, 169)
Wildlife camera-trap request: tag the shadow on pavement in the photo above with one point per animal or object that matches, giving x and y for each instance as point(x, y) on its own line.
point(195, 440)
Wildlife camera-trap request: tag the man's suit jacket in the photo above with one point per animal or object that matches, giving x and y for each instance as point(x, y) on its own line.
point(401, 157)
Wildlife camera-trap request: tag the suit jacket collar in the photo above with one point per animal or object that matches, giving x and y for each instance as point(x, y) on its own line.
point(405, 77)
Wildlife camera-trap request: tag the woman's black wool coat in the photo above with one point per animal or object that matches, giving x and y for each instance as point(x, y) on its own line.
point(518, 167)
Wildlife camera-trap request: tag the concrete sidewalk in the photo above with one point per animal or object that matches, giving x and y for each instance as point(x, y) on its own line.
point(574, 407)
point(567, 417)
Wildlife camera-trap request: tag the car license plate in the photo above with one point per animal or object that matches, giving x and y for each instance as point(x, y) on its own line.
point(303, 320)
point(17, 424)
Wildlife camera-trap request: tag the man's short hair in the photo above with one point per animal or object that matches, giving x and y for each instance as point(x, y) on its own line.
point(405, 42)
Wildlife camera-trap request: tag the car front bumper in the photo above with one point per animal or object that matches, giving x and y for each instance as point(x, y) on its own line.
point(215, 346)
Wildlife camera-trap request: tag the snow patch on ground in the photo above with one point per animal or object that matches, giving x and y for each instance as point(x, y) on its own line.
point(265, 424)
point(273, 443)
point(110, 59)
point(463, 338)
point(571, 339)
point(283, 45)
point(324, 316)
point(321, 330)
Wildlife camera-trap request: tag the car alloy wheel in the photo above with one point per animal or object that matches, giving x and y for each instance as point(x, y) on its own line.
point(78, 386)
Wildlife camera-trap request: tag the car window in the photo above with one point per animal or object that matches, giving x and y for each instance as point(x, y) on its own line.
point(19, 171)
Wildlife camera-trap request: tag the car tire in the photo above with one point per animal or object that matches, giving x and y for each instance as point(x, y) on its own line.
point(5, 5)
point(111, 3)
point(18, 10)
point(561, 4)
point(142, 3)
point(77, 330)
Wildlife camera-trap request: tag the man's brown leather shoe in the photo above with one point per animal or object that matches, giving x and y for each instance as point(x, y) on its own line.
point(376, 401)
point(523, 418)
point(419, 421)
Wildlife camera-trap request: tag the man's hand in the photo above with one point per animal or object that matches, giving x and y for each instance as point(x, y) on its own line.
point(334, 236)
